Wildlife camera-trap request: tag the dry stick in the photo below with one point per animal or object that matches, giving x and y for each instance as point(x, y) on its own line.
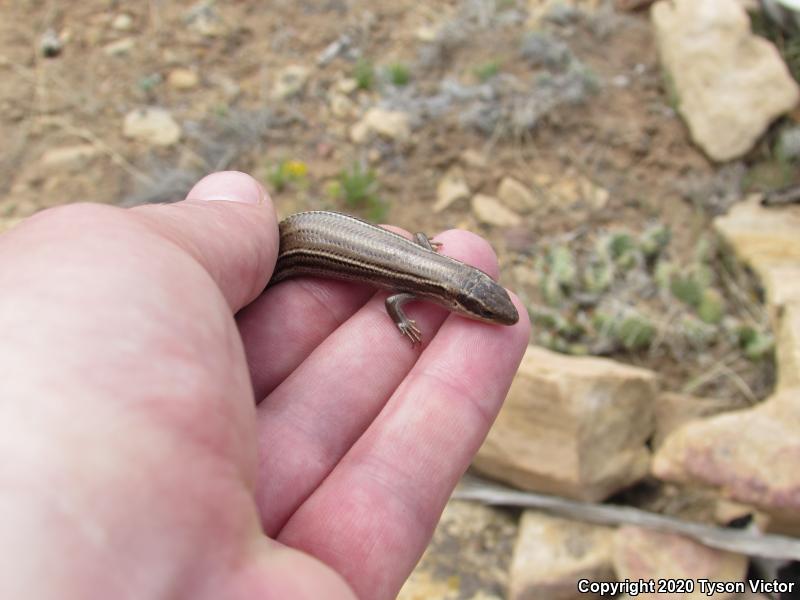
point(740, 383)
point(664, 331)
point(733, 540)
point(713, 373)
point(754, 310)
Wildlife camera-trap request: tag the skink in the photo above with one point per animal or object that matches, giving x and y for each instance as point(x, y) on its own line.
point(338, 246)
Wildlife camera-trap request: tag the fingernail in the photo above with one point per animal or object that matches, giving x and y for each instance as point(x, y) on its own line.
point(229, 186)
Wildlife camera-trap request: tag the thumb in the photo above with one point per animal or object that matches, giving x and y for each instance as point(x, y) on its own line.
point(228, 224)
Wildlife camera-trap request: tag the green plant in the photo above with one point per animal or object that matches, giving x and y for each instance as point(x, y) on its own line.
point(769, 174)
point(149, 82)
point(686, 288)
point(671, 91)
point(712, 306)
point(562, 266)
point(399, 74)
point(484, 72)
point(598, 276)
point(558, 274)
point(221, 111)
point(635, 332)
point(286, 172)
point(755, 344)
point(653, 241)
point(621, 248)
point(619, 244)
point(364, 74)
point(359, 188)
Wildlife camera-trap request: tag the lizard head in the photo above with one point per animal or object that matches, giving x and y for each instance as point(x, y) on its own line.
point(482, 298)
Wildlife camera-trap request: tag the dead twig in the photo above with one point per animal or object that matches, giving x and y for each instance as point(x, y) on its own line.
point(742, 541)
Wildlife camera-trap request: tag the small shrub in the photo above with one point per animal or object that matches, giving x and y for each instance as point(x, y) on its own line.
point(399, 74)
point(486, 71)
point(635, 332)
point(686, 288)
point(359, 188)
point(364, 74)
point(653, 241)
point(712, 306)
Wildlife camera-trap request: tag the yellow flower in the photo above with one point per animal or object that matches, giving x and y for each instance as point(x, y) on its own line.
point(296, 169)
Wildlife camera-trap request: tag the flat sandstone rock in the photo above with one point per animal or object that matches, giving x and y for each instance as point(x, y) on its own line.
point(553, 554)
point(572, 426)
point(730, 83)
point(749, 455)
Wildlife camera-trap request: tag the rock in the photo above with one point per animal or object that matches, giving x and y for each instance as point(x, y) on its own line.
point(290, 82)
point(182, 78)
point(203, 18)
point(653, 555)
point(50, 44)
point(69, 158)
point(726, 512)
point(337, 47)
point(341, 106)
point(552, 554)
point(730, 83)
point(468, 555)
point(490, 211)
point(427, 33)
point(516, 196)
point(452, 187)
point(674, 410)
point(766, 240)
point(122, 22)
point(743, 453)
point(787, 351)
point(119, 47)
point(360, 133)
point(347, 85)
point(474, 158)
point(391, 124)
point(573, 426)
point(569, 189)
point(151, 125)
point(229, 87)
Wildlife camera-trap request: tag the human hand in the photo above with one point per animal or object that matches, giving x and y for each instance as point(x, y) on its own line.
point(135, 461)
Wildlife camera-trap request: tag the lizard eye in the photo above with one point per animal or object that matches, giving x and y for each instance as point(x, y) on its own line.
point(474, 306)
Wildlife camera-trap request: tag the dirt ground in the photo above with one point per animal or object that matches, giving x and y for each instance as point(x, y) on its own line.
point(622, 137)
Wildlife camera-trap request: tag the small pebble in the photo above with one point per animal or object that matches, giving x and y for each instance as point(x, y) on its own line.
point(122, 22)
point(50, 44)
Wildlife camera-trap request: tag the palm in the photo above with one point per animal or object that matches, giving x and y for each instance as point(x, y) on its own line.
point(138, 442)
